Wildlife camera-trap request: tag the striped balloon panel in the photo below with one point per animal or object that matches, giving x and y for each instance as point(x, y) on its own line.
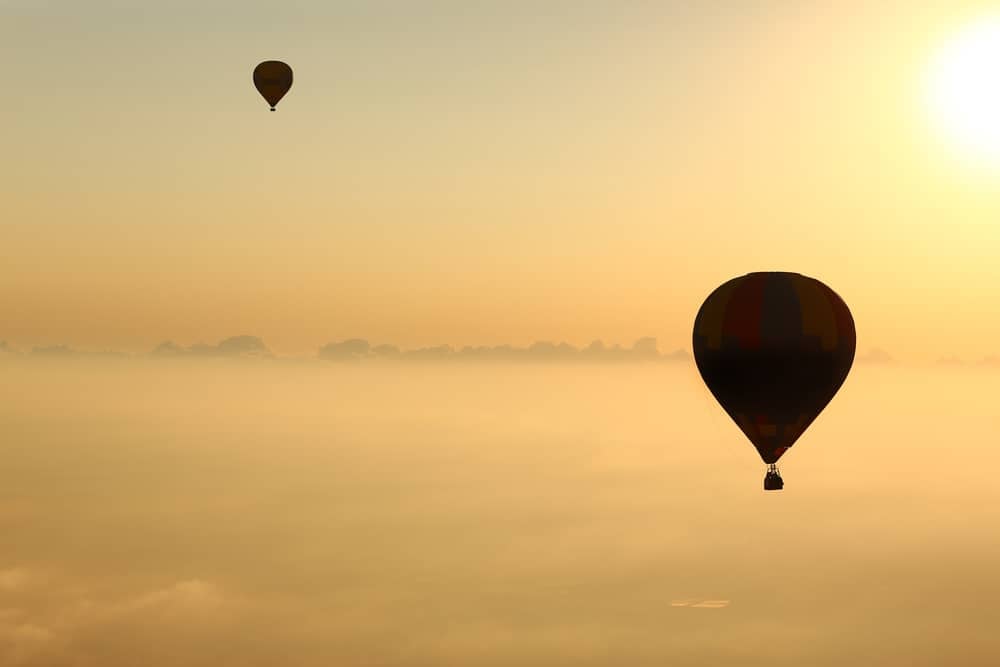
point(773, 349)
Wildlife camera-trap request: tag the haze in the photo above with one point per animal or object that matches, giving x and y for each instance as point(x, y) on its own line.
point(480, 174)
point(256, 513)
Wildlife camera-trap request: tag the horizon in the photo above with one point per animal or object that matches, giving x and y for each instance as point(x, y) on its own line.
point(253, 347)
point(644, 348)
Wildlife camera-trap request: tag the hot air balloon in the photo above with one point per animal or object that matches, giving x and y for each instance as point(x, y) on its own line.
point(773, 349)
point(272, 78)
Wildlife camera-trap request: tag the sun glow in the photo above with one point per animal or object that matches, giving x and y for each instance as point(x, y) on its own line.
point(963, 91)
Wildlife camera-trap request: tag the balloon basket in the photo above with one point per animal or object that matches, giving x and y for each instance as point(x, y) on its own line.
point(772, 480)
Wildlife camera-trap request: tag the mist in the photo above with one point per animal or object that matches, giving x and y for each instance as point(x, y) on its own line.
point(238, 512)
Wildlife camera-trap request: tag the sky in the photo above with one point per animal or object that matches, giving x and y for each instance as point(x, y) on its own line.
point(481, 173)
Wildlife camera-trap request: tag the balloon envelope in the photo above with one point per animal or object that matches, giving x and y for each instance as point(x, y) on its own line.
point(272, 78)
point(773, 349)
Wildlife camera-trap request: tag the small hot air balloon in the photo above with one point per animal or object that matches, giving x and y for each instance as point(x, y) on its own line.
point(272, 78)
point(773, 349)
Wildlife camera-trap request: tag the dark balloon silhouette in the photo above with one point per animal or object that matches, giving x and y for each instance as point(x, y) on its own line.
point(272, 78)
point(773, 349)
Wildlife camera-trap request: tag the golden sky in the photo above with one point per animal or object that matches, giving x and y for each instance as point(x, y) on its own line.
point(481, 173)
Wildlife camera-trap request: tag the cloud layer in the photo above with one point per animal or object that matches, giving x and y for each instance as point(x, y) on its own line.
point(358, 349)
point(518, 514)
point(644, 349)
point(235, 347)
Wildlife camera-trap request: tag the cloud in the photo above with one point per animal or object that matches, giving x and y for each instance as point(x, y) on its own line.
point(876, 355)
point(66, 352)
point(54, 351)
point(234, 347)
point(168, 349)
point(242, 346)
point(440, 352)
point(355, 349)
point(547, 350)
point(488, 518)
point(348, 350)
point(386, 351)
point(182, 600)
point(700, 604)
point(74, 620)
point(7, 351)
point(644, 349)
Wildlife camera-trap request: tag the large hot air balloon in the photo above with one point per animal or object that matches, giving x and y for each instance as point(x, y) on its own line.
point(773, 349)
point(272, 78)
